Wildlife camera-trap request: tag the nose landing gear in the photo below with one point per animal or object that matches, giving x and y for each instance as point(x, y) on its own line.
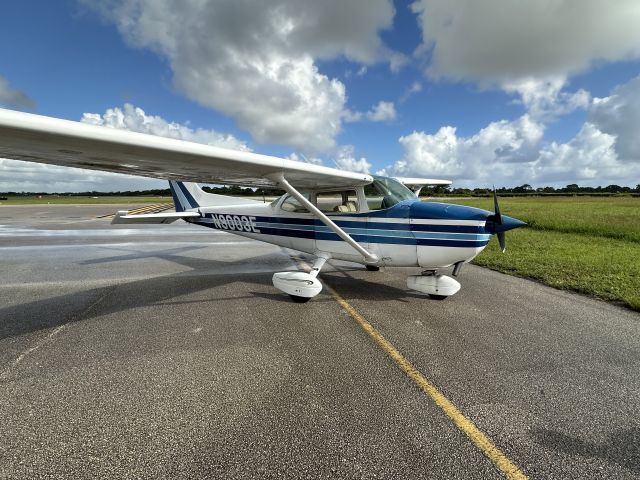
point(434, 284)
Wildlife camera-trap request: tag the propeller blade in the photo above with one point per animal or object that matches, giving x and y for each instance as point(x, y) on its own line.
point(497, 224)
point(497, 218)
point(496, 208)
point(502, 241)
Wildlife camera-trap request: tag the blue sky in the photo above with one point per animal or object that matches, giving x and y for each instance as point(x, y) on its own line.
point(499, 92)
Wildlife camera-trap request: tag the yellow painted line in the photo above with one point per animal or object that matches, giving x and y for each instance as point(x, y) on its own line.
point(466, 426)
point(155, 208)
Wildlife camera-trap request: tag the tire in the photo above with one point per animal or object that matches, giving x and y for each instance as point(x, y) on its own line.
point(372, 268)
point(438, 297)
point(298, 299)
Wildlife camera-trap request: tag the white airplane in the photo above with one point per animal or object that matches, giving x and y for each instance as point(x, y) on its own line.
point(372, 220)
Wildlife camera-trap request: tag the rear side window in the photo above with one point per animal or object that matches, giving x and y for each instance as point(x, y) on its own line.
point(345, 201)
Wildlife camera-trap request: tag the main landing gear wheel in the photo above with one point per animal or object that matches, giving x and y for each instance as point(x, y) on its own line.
point(372, 268)
point(301, 286)
point(299, 299)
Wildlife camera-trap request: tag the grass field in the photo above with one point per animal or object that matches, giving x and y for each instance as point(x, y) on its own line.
point(64, 200)
point(585, 244)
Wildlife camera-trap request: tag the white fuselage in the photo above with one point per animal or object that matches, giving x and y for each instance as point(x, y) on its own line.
point(394, 240)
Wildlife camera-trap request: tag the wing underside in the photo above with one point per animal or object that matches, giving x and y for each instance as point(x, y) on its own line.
point(36, 138)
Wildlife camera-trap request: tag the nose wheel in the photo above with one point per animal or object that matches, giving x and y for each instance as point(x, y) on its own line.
point(298, 299)
point(437, 286)
point(438, 297)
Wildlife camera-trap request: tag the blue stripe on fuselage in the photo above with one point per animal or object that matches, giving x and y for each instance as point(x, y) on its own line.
point(392, 240)
point(364, 228)
point(385, 233)
point(374, 225)
point(187, 195)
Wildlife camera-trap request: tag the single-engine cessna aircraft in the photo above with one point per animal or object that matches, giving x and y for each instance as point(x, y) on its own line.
point(372, 220)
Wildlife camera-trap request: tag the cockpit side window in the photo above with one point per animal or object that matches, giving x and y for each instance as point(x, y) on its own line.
point(290, 204)
point(385, 192)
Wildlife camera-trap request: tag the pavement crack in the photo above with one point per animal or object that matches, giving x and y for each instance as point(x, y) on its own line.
point(49, 338)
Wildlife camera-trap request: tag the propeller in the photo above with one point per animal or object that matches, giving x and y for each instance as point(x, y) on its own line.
point(498, 223)
point(497, 219)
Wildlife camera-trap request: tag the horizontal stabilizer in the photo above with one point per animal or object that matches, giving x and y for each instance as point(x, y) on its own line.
point(123, 217)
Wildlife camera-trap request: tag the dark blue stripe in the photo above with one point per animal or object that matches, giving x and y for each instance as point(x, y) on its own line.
point(308, 234)
point(376, 225)
point(176, 201)
point(188, 196)
point(289, 233)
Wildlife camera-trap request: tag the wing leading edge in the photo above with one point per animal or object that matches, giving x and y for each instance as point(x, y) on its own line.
point(41, 139)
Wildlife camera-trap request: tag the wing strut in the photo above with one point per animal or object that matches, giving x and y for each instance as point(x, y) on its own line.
point(369, 257)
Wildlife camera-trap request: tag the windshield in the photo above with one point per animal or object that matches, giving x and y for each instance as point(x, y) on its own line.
point(385, 192)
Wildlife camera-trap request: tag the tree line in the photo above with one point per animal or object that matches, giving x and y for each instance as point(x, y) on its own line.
point(234, 190)
point(526, 189)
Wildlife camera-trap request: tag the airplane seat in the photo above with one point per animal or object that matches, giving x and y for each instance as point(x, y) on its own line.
point(387, 201)
point(352, 206)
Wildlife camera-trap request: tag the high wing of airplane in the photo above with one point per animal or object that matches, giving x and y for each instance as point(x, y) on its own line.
point(372, 220)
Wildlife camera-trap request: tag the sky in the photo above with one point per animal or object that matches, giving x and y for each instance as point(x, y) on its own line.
point(498, 92)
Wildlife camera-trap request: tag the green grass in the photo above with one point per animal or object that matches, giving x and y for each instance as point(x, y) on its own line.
point(611, 217)
point(64, 200)
point(588, 245)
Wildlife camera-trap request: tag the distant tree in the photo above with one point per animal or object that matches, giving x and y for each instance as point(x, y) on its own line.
point(522, 188)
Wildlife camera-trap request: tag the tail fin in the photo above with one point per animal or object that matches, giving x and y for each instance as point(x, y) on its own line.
point(189, 196)
point(183, 197)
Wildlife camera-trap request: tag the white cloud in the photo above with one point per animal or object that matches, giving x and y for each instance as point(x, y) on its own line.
point(589, 157)
point(498, 151)
point(527, 48)
point(256, 61)
point(497, 41)
point(346, 160)
point(35, 177)
point(544, 98)
point(414, 88)
point(135, 119)
point(12, 98)
point(619, 115)
point(513, 153)
point(381, 112)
